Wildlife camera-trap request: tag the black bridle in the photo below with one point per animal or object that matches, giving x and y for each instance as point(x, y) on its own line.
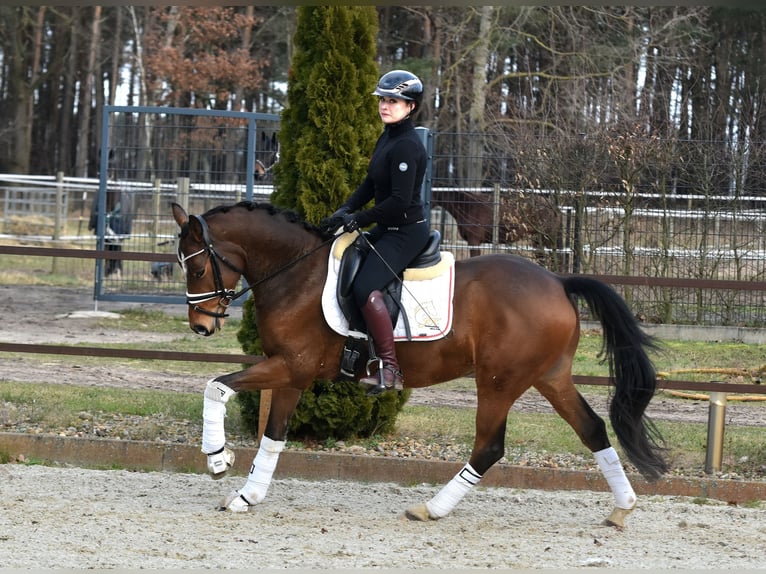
point(225, 296)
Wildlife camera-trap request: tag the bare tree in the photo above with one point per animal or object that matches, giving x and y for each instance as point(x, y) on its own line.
point(86, 96)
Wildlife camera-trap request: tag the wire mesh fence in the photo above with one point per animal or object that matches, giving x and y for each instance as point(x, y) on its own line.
point(548, 201)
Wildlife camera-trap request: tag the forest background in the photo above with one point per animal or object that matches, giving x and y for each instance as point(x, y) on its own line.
point(683, 72)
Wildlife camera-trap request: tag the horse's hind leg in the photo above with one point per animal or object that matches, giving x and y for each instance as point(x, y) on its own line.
point(488, 448)
point(591, 429)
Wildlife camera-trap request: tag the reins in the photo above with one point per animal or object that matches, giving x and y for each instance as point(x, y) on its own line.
point(227, 296)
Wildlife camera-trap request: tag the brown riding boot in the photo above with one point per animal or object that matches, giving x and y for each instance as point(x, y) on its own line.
point(379, 327)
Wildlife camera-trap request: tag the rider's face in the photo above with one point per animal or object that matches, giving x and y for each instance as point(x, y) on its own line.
point(393, 110)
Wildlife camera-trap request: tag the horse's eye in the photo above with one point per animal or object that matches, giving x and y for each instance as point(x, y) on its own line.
point(199, 274)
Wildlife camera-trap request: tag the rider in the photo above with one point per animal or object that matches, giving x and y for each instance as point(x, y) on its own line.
point(394, 178)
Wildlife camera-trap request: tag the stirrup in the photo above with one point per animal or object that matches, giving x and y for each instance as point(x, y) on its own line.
point(375, 388)
point(219, 463)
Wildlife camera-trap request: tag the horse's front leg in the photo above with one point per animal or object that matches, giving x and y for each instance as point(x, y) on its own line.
point(219, 458)
point(217, 393)
point(269, 373)
point(272, 443)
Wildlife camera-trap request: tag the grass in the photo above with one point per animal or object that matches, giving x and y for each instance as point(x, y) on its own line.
point(52, 406)
point(744, 447)
point(58, 405)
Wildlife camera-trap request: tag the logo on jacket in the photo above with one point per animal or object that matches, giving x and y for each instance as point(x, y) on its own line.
point(403, 166)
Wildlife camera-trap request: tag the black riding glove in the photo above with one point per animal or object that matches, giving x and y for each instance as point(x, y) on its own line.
point(350, 222)
point(332, 223)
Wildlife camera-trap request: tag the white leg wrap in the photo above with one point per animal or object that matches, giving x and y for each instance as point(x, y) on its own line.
point(453, 492)
point(609, 462)
point(261, 471)
point(213, 413)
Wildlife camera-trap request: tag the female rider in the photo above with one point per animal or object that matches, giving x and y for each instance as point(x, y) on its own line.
point(400, 232)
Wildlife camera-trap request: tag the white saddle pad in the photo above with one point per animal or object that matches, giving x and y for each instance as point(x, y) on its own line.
point(426, 297)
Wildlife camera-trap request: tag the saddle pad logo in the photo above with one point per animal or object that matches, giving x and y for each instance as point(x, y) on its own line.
point(403, 166)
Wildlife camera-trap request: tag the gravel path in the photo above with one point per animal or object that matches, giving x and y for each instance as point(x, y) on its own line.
point(118, 519)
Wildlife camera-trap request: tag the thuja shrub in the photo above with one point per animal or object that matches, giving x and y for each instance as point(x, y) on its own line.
point(339, 410)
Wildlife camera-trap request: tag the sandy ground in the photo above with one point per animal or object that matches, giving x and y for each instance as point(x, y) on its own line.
point(76, 518)
point(73, 518)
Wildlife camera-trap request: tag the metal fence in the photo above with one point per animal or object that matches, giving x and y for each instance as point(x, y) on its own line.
point(702, 252)
point(151, 156)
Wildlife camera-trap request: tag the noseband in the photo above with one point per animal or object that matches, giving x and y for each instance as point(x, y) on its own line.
point(225, 296)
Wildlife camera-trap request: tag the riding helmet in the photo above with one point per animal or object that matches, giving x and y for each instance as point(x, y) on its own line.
point(400, 84)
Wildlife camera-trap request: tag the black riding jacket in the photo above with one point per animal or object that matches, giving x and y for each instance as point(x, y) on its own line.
point(394, 178)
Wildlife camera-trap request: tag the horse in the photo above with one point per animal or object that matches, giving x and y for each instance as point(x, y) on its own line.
point(266, 156)
point(515, 326)
point(518, 217)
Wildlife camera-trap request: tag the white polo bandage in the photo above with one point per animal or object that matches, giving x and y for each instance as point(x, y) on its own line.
point(213, 415)
point(453, 492)
point(609, 462)
point(262, 470)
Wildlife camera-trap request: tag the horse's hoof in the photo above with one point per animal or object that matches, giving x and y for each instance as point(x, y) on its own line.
point(617, 518)
point(218, 464)
point(235, 503)
point(418, 512)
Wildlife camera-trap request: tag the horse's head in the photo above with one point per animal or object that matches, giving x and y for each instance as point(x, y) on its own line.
point(211, 272)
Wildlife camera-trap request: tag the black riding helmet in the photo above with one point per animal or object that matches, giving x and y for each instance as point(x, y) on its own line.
point(401, 84)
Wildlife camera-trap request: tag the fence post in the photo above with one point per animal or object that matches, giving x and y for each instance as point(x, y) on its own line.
point(263, 412)
point(57, 215)
point(426, 138)
point(183, 192)
point(715, 427)
point(495, 215)
point(156, 196)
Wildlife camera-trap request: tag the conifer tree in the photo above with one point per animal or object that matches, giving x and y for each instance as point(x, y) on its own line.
point(327, 133)
point(330, 123)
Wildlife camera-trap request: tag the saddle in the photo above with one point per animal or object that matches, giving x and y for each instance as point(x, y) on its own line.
point(353, 257)
point(352, 260)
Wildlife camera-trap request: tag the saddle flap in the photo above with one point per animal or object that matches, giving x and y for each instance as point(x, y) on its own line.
point(350, 263)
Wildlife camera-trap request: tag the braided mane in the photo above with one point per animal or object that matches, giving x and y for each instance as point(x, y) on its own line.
point(289, 215)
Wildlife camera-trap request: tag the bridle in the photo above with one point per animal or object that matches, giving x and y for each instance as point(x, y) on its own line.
point(225, 296)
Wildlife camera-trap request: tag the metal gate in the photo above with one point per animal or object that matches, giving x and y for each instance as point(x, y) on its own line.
point(150, 157)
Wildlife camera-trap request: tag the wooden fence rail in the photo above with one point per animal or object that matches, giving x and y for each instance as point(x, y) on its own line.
point(146, 354)
point(718, 390)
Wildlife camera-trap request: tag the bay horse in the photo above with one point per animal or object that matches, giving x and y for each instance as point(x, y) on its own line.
point(519, 216)
point(515, 326)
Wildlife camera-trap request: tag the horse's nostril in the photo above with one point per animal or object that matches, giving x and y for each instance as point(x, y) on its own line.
point(201, 330)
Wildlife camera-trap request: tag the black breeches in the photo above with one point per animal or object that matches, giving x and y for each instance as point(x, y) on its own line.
point(394, 250)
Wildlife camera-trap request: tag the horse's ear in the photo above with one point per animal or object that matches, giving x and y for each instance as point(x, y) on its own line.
point(195, 229)
point(179, 214)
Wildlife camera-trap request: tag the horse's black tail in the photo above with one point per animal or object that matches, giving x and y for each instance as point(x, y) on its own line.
point(635, 380)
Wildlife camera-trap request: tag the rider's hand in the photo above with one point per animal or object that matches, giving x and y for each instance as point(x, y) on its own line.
point(332, 223)
point(350, 222)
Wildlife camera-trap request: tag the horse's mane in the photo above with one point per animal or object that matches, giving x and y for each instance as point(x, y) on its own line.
point(289, 215)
